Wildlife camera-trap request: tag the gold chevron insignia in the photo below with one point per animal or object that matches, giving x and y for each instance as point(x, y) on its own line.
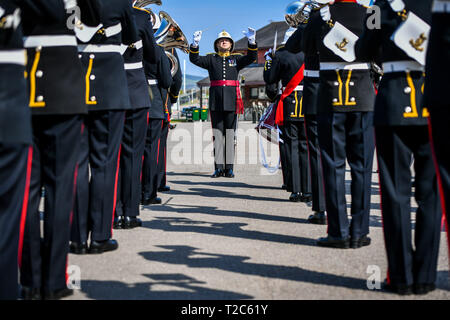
point(341, 46)
point(417, 44)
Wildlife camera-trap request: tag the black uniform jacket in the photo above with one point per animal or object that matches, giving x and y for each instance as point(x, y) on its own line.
point(54, 72)
point(106, 82)
point(400, 94)
point(170, 96)
point(159, 72)
point(438, 66)
point(312, 63)
point(284, 66)
point(223, 68)
point(134, 56)
point(344, 90)
point(15, 124)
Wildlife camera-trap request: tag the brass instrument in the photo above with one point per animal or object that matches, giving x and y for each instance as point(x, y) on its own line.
point(144, 3)
point(298, 12)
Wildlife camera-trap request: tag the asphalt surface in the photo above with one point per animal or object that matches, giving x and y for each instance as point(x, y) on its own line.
point(235, 239)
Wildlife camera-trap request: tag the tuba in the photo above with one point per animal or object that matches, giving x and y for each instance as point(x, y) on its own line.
point(168, 36)
point(145, 3)
point(298, 12)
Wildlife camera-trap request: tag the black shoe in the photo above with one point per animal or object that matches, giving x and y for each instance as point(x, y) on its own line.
point(318, 218)
point(164, 189)
point(332, 242)
point(30, 293)
point(78, 248)
point(229, 173)
point(360, 242)
point(306, 197)
point(295, 197)
point(118, 221)
point(131, 222)
point(217, 174)
point(149, 201)
point(400, 289)
point(58, 294)
point(103, 246)
point(423, 288)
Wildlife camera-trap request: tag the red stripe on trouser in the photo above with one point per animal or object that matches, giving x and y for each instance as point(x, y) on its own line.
point(159, 142)
point(441, 188)
point(388, 278)
point(115, 189)
point(23, 217)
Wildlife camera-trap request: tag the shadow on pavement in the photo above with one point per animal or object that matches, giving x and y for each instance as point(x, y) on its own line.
point(176, 287)
point(233, 230)
point(183, 255)
point(229, 184)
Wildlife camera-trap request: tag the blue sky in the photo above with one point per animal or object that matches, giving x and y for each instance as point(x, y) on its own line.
point(232, 15)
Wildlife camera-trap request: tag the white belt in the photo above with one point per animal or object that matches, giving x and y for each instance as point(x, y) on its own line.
point(13, 57)
point(152, 81)
point(133, 66)
point(103, 48)
point(343, 66)
point(113, 30)
point(297, 88)
point(441, 6)
point(49, 41)
point(402, 66)
point(311, 73)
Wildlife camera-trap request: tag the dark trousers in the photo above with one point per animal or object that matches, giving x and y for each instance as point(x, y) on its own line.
point(441, 145)
point(15, 170)
point(347, 136)
point(224, 131)
point(55, 150)
point(297, 150)
point(395, 147)
point(317, 187)
point(150, 168)
point(162, 156)
point(131, 158)
point(285, 166)
point(101, 149)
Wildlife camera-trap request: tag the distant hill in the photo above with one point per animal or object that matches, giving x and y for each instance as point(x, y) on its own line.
point(191, 82)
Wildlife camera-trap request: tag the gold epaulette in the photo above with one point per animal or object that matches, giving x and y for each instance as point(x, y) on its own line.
point(142, 9)
point(237, 54)
point(210, 53)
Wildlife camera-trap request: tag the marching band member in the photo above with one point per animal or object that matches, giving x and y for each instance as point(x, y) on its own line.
point(224, 95)
point(15, 148)
point(288, 68)
point(345, 114)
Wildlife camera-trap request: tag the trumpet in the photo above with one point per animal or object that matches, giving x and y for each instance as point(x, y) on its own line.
point(169, 36)
point(298, 12)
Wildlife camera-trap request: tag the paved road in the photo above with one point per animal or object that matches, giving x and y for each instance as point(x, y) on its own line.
point(234, 239)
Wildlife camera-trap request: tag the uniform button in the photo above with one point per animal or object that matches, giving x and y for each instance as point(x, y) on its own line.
point(92, 56)
point(336, 83)
point(352, 99)
point(335, 100)
point(38, 49)
point(92, 77)
point(352, 83)
point(80, 56)
point(40, 99)
point(93, 98)
point(39, 74)
point(407, 90)
point(224, 85)
point(408, 109)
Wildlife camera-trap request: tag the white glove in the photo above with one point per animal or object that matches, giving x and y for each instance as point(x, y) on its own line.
point(197, 37)
point(268, 55)
point(251, 35)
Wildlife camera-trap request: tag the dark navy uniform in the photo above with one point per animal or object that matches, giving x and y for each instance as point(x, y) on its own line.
point(106, 95)
point(284, 66)
point(223, 98)
point(169, 97)
point(56, 99)
point(133, 142)
point(401, 133)
point(311, 83)
point(345, 105)
point(159, 78)
point(15, 147)
point(436, 86)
